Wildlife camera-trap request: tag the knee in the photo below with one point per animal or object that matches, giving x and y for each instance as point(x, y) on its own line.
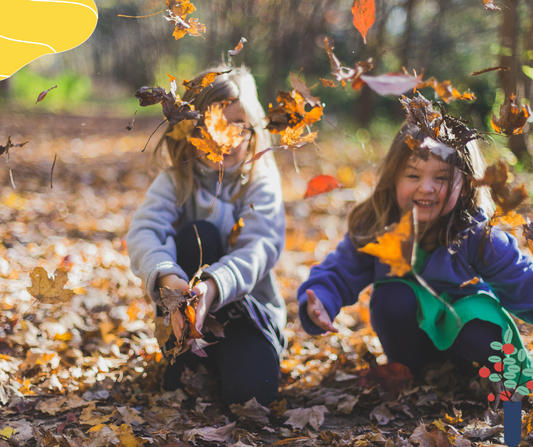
point(393, 301)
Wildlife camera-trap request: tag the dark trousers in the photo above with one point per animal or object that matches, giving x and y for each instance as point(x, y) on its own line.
point(393, 309)
point(244, 362)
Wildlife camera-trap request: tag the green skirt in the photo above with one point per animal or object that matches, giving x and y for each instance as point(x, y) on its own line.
point(442, 326)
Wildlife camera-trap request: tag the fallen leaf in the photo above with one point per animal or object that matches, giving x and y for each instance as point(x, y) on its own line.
point(394, 247)
point(391, 83)
point(89, 416)
point(300, 417)
point(321, 184)
point(235, 232)
point(512, 119)
point(210, 433)
point(486, 70)
point(364, 15)
point(48, 291)
point(422, 437)
point(381, 414)
point(289, 441)
point(130, 415)
point(43, 94)
point(251, 410)
point(238, 48)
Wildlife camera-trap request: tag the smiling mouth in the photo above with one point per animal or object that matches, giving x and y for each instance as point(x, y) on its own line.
point(425, 203)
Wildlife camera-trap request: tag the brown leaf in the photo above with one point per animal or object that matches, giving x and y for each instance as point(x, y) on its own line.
point(512, 119)
point(345, 74)
point(48, 291)
point(212, 325)
point(290, 140)
point(202, 81)
point(486, 70)
point(162, 331)
point(321, 184)
point(289, 440)
point(364, 15)
point(327, 82)
point(235, 232)
point(445, 90)
point(238, 48)
point(43, 94)
point(394, 247)
point(173, 298)
point(290, 113)
point(192, 27)
point(300, 417)
point(301, 88)
point(9, 144)
point(251, 410)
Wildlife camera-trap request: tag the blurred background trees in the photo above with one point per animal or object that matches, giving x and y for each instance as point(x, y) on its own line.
point(447, 39)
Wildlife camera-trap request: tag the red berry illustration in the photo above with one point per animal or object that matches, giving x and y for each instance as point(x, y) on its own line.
point(503, 396)
point(508, 348)
point(484, 372)
point(498, 366)
point(530, 385)
point(491, 397)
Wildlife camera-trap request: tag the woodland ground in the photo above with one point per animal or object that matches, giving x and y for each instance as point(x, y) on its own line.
point(86, 373)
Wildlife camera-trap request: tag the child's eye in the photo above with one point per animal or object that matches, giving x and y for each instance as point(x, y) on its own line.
point(442, 179)
point(412, 176)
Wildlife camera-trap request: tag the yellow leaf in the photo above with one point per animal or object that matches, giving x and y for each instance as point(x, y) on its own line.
point(235, 232)
point(46, 291)
point(201, 82)
point(7, 432)
point(390, 246)
point(182, 130)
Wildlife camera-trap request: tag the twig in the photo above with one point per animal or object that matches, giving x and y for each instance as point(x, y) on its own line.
point(153, 134)
point(25, 312)
point(52, 171)
point(12, 180)
point(141, 17)
point(199, 245)
point(220, 176)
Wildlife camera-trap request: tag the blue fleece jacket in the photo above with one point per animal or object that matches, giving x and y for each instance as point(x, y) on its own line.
point(504, 273)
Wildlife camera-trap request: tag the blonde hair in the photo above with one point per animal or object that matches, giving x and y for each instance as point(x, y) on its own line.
point(237, 84)
point(382, 209)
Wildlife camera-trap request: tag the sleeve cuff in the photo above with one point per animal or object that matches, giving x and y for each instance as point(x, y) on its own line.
point(227, 286)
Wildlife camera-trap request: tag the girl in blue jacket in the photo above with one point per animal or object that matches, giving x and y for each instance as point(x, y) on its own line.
point(238, 287)
point(432, 168)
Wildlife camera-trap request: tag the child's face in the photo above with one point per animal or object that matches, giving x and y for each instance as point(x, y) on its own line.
point(234, 113)
point(425, 183)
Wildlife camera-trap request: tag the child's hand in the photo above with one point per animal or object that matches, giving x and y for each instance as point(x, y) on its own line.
point(207, 291)
point(318, 313)
point(175, 282)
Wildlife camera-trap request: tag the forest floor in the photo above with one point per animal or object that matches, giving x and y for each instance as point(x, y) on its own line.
point(87, 373)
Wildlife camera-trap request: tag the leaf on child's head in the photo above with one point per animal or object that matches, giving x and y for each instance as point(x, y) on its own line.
point(395, 246)
point(238, 48)
point(512, 119)
point(48, 291)
point(235, 232)
point(202, 81)
point(321, 184)
point(496, 179)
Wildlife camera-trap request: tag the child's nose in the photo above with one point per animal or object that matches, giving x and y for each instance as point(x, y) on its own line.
point(427, 186)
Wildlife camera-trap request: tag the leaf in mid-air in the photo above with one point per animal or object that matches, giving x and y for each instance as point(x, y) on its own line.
point(43, 94)
point(177, 11)
point(345, 74)
point(496, 179)
point(364, 15)
point(238, 48)
point(391, 83)
point(512, 119)
point(321, 184)
point(328, 83)
point(301, 88)
point(235, 232)
point(48, 291)
point(445, 90)
point(490, 6)
point(202, 81)
point(394, 247)
point(291, 113)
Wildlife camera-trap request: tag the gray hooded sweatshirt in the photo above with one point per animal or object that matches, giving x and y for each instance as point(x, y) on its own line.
point(244, 275)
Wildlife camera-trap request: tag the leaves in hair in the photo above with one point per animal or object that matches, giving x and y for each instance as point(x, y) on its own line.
point(177, 11)
point(345, 74)
point(202, 81)
point(445, 90)
point(496, 179)
point(512, 119)
point(364, 15)
point(394, 247)
point(291, 113)
point(321, 184)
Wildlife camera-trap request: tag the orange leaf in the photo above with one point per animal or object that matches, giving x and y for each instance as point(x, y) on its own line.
point(327, 82)
point(321, 184)
point(490, 6)
point(394, 247)
point(473, 281)
point(364, 15)
point(190, 315)
point(291, 112)
point(445, 90)
point(238, 48)
point(235, 232)
point(201, 82)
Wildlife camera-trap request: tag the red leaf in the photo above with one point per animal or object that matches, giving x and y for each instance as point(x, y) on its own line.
point(364, 15)
point(43, 94)
point(320, 184)
point(391, 83)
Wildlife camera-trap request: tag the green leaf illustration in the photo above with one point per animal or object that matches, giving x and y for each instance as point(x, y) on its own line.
point(494, 378)
point(523, 390)
point(494, 359)
point(513, 368)
point(509, 383)
point(521, 355)
point(496, 345)
point(508, 337)
point(509, 375)
point(528, 372)
point(510, 361)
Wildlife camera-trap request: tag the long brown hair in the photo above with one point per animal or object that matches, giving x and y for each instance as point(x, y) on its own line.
point(237, 84)
point(382, 209)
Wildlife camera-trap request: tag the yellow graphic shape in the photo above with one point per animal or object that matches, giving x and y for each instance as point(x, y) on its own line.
point(32, 28)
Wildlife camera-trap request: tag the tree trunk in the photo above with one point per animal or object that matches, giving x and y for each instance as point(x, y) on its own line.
point(409, 6)
point(509, 79)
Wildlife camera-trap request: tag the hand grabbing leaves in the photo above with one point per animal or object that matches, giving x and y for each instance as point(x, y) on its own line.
point(48, 291)
point(512, 119)
point(395, 246)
